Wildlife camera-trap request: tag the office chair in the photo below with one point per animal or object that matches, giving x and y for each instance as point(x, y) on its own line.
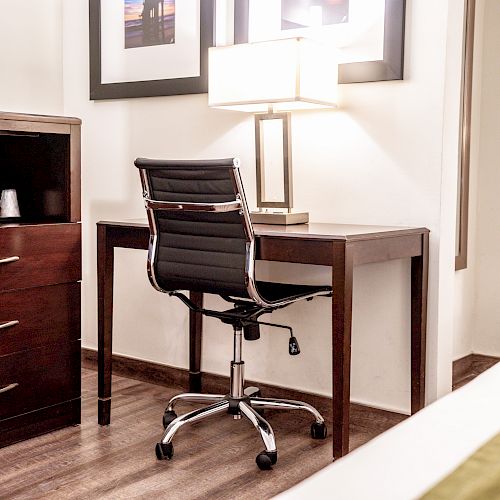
point(201, 239)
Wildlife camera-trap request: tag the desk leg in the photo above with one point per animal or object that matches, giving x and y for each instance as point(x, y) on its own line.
point(342, 273)
point(419, 269)
point(195, 335)
point(105, 258)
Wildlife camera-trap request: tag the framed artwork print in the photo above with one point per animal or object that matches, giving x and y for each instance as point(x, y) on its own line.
point(367, 38)
point(145, 48)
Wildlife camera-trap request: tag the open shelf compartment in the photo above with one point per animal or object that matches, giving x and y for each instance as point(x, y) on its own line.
point(37, 166)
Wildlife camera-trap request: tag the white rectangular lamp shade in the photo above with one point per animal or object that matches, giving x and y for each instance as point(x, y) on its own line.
point(289, 74)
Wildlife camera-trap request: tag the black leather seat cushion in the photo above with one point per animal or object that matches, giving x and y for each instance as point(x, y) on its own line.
point(275, 292)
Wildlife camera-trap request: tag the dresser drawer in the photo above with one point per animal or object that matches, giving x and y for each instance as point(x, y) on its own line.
point(39, 255)
point(38, 378)
point(38, 422)
point(36, 317)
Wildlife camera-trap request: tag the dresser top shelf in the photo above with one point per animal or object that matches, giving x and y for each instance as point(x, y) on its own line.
point(39, 118)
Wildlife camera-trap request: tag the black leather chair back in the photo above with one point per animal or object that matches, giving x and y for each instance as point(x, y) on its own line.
point(196, 249)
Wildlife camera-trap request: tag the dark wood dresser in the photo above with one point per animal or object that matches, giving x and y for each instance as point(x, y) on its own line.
point(40, 273)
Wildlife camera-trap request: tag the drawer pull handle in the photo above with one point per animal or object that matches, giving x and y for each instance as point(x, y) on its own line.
point(8, 324)
point(9, 259)
point(8, 388)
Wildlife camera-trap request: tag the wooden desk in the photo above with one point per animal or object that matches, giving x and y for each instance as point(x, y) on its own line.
point(336, 245)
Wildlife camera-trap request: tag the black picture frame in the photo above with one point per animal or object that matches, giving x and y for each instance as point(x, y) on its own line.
point(391, 67)
point(149, 88)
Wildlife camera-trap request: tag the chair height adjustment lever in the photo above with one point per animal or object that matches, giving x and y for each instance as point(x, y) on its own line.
point(293, 346)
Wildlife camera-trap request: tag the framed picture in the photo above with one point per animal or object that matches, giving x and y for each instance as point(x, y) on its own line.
point(145, 48)
point(367, 38)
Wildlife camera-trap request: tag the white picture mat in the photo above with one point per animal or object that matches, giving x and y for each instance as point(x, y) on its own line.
point(159, 62)
point(360, 39)
point(224, 22)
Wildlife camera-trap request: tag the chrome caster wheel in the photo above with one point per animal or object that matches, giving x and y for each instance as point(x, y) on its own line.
point(168, 417)
point(318, 431)
point(164, 451)
point(266, 459)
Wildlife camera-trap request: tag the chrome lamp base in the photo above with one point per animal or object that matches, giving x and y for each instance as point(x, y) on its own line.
point(239, 402)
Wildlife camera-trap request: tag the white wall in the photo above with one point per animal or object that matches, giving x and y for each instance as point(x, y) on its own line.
point(487, 314)
point(384, 158)
point(31, 56)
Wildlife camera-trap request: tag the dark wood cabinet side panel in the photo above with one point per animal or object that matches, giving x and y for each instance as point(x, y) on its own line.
point(46, 315)
point(75, 175)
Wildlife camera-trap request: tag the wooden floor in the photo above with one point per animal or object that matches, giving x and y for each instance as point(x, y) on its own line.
point(470, 367)
point(214, 459)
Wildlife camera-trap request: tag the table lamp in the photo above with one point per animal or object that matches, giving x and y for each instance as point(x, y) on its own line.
point(271, 79)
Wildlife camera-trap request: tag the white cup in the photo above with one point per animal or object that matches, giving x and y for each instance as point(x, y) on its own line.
point(9, 206)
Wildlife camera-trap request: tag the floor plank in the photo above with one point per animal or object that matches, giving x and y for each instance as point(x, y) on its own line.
point(213, 459)
point(475, 364)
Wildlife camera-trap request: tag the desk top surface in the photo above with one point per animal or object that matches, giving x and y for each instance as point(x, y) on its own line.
point(313, 230)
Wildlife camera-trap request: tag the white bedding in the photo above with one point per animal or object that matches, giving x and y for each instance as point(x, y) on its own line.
point(410, 458)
